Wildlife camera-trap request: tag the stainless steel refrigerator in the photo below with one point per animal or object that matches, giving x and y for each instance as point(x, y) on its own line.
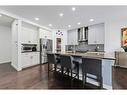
point(45, 47)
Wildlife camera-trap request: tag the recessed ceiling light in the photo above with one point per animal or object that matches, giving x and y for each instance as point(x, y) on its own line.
point(61, 14)
point(36, 18)
point(50, 25)
point(91, 20)
point(69, 25)
point(0, 15)
point(78, 23)
point(73, 8)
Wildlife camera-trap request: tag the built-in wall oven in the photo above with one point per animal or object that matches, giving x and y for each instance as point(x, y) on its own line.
point(29, 47)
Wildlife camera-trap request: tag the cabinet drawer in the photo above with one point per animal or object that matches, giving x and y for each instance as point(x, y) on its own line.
point(36, 58)
point(26, 60)
point(29, 59)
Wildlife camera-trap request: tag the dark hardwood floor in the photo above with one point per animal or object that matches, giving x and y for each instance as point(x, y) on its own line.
point(119, 78)
point(32, 78)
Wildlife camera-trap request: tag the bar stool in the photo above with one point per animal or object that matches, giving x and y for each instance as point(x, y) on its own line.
point(58, 66)
point(52, 61)
point(66, 63)
point(90, 67)
point(77, 60)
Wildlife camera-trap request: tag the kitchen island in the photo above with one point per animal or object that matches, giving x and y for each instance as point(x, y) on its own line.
point(107, 63)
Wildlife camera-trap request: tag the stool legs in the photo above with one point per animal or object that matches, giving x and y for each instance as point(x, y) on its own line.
point(78, 71)
point(48, 70)
point(71, 79)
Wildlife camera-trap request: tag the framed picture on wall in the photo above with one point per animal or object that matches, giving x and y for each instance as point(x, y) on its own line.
point(124, 37)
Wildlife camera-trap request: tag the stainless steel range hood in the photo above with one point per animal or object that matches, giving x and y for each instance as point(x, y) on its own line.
point(83, 34)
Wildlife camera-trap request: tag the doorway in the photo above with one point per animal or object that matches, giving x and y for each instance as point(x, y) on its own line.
point(5, 42)
point(58, 45)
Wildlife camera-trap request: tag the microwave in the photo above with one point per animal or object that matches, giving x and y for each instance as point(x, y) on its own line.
point(29, 47)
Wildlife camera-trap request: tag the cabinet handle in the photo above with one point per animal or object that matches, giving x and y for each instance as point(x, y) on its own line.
point(31, 57)
point(95, 41)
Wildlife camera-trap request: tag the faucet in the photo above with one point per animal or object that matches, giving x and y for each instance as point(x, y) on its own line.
point(97, 48)
point(74, 49)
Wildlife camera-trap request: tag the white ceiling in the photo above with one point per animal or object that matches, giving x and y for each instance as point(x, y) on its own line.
point(50, 14)
point(5, 20)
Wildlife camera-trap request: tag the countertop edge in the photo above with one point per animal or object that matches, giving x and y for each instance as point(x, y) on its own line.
point(104, 57)
point(29, 51)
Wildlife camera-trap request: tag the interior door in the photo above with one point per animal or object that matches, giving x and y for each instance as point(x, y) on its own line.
point(58, 44)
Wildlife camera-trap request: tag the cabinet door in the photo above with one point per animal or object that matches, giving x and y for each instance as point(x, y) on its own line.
point(35, 59)
point(72, 37)
point(25, 35)
point(100, 34)
point(34, 37)
point(107, 72)
point(96, 34)
point(29, 36)
point(45, 34)
point(29, 59)
point(26, 60)
point(92, 35)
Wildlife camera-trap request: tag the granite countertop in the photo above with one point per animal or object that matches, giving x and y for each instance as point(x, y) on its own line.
point(29, 51)
point(101, 55)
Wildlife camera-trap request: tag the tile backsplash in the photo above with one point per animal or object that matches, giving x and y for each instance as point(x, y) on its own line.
point(83, 47)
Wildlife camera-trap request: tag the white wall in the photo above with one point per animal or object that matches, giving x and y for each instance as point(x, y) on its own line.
point(29, 26)
point(113, 34)
point(5, 44)
point(63, 39)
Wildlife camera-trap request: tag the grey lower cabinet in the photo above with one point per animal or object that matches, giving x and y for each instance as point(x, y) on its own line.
point(106, 74)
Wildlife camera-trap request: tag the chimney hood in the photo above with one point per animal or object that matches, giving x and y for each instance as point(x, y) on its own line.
point(83, 34)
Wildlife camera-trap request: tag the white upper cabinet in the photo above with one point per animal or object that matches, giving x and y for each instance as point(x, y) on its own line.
point(45, 34)
point(96, 34)
point(29, 35)
point(72, 37)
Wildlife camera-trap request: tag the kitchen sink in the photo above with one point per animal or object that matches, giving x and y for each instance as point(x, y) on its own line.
point(95, 53)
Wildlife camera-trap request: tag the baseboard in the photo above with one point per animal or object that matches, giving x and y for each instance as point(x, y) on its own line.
point(119, 66)
point(124, 67)
point(107, 86)
point(15, 67)
point(5, 62)
point(116, 65)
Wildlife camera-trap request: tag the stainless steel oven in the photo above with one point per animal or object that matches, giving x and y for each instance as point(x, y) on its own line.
point(29, 47)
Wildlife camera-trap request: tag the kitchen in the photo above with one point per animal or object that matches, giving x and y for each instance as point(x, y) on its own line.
point(31, 42)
